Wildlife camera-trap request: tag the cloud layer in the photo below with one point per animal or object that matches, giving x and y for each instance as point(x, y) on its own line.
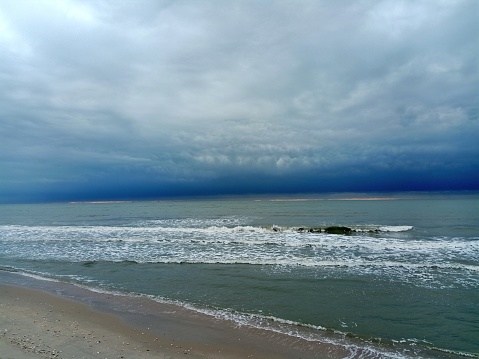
point(144, 99)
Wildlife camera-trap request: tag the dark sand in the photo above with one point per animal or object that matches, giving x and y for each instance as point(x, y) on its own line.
point(57, 320)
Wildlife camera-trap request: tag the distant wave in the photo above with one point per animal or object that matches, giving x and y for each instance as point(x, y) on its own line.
point(20, 232)
point(343, 229)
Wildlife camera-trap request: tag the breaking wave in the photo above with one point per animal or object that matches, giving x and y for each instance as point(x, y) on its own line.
point(369, 249)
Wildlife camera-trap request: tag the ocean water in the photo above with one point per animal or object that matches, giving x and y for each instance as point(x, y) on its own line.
point(403, 283)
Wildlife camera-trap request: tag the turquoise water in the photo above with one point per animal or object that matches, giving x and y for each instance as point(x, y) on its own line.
point(405, 281)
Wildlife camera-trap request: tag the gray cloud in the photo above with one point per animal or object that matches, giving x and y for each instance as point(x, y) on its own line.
point(165, 94)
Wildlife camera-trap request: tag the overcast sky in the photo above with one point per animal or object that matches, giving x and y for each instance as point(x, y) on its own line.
point(148, 98)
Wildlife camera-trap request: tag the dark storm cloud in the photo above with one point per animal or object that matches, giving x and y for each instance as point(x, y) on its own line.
point(149, 98)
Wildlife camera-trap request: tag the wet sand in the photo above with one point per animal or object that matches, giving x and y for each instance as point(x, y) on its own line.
point(64, 321)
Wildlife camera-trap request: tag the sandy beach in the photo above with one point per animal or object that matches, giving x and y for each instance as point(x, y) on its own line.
point(36, 324)
point(48, 323)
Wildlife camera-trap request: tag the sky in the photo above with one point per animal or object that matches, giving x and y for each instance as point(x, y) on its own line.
point(145, 99)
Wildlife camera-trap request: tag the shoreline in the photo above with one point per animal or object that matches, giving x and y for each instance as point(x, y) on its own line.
point(47, 319)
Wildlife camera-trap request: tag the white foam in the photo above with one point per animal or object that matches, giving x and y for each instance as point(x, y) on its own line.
point(298, 330)
point(395, 228)
point(37, 276)
point(400, 255)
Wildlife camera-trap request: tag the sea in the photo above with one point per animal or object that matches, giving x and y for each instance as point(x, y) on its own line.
point(400, 281)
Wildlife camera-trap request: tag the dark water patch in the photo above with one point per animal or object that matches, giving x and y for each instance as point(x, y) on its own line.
point(341, 229)
point(89, 263)
point(128, 263)
point(338, 230)
point(8, 269)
